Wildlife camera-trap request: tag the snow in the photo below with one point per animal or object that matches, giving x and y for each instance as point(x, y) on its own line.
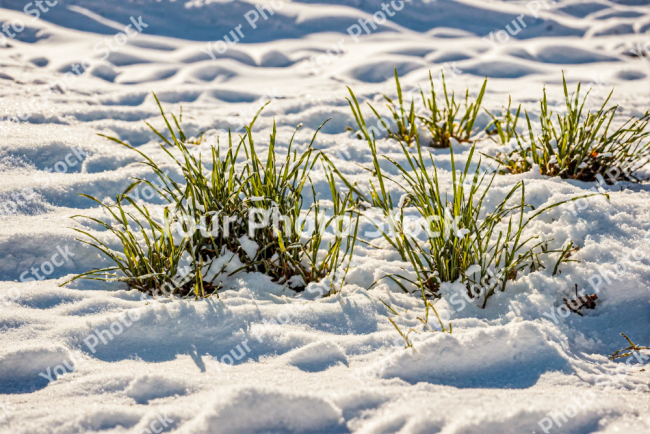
point(95, 357)
point(149, 387)
point(259, 409)
point(317, 356)
point(249, 246)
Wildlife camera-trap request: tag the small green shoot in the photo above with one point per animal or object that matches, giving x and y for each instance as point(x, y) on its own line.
point(405, 336)
point(444, 121)
point(406, 128)
point(501, 131)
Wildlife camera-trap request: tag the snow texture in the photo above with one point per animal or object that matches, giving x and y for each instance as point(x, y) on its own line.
point(94, 357)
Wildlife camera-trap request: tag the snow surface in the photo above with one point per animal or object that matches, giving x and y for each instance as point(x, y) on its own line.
point(325, 365)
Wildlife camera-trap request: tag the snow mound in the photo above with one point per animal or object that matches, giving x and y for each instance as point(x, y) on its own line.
point(103, 419)
point(254, 409)
point(317, 356)
point(149, 387)
point(511, 356)
point(26, 369)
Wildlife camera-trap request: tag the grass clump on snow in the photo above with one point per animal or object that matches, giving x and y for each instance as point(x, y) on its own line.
point(463, 244)
point(406, 127)
point(277, 191)
point(501, 131)
point(443, 120)
point(204, 234)
point(579, 146)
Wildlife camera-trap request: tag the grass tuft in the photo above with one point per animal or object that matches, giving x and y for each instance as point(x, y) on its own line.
point(503, 130)
point(444, 121)
point(580, 146)
point(406, 127)
point(204, 230)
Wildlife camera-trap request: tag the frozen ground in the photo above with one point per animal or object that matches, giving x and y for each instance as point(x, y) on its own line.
point(334, 365)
